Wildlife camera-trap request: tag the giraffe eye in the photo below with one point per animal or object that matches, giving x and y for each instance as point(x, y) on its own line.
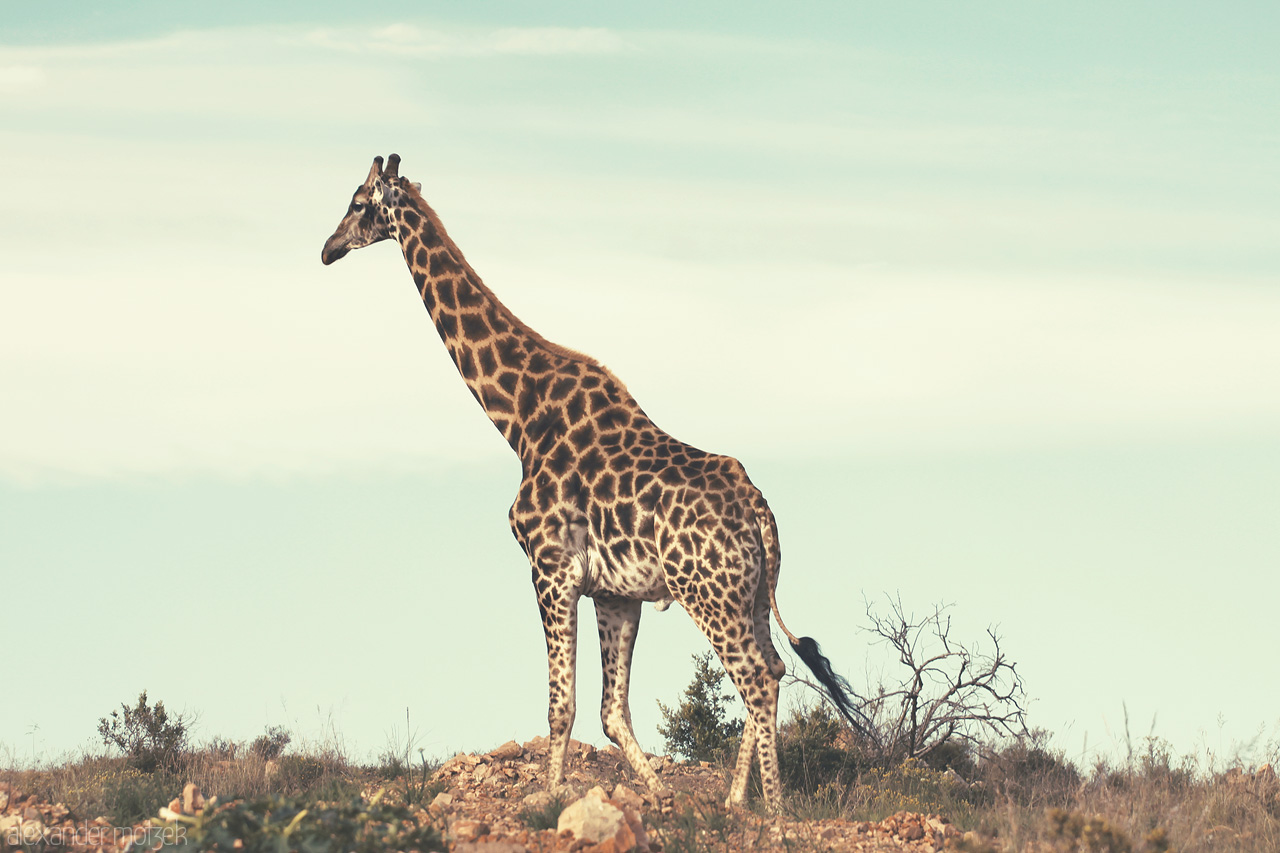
point(357, 206)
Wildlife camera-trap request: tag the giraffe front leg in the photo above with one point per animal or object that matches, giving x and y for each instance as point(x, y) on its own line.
point(560, 625)
point(618, 621)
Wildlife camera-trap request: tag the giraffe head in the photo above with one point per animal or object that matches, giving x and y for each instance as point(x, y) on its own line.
point(369, 218)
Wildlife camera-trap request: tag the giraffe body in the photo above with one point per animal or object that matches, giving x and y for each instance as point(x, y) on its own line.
point(609, 506)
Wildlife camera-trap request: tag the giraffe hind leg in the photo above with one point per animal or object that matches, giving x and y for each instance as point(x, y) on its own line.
point(728, 622)
point(756, 684)
point(618, 621)
point(763, 625)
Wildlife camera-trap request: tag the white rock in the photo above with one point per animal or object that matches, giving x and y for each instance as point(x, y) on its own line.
point(24, 832)
point(539, 799)
point(595, 820)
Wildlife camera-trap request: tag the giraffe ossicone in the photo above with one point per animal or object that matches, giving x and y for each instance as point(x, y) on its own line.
point(610, 506)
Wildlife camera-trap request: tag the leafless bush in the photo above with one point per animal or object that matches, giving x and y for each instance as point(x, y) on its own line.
point(951, 692)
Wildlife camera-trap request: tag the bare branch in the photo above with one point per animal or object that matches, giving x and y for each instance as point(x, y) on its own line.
point(949, 691)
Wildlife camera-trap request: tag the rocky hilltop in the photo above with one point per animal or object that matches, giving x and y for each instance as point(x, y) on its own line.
point(496, 802)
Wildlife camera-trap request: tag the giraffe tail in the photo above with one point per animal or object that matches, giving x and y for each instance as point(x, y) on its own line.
point(806, 648)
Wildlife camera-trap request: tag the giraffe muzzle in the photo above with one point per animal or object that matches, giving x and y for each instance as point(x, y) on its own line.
point(332, 252)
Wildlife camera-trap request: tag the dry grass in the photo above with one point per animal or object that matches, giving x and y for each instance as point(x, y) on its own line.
point(95, 785)
point(1020, 798)
point(1188, 812)
point(1025, 797)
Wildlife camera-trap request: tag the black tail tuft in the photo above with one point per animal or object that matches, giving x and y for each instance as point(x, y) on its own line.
point(837, 687)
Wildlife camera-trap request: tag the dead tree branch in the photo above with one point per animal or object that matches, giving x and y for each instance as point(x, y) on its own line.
point(949, 692)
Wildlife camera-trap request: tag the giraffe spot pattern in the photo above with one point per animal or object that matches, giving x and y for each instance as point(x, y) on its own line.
point(609, 506)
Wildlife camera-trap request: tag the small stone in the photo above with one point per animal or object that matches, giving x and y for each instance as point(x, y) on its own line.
point(627, 797)
point(469, 830)
point(507, 751)
point(442, 800)
point(192, 799)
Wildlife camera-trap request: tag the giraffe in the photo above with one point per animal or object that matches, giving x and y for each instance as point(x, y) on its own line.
point(609, 506)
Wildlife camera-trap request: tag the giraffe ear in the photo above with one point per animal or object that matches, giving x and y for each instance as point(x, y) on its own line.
point(393, 166)
point(374, 171)
point(417, 187)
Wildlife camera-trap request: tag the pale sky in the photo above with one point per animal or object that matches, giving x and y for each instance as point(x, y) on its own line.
point(985, 297)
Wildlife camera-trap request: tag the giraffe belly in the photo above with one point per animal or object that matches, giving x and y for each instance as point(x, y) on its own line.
point(638, 578)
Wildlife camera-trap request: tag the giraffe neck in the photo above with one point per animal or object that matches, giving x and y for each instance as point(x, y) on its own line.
point(507, 366)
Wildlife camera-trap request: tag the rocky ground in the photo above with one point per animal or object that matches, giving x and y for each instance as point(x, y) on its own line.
point(28, 823)
point(497, 803)
point(493, 798)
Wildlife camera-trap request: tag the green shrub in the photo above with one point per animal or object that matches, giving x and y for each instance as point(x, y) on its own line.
point(698, 729)
point(912, 786)
point(300, 773)
point(129, 795)
point(1027, 772)
point(279, 825)
point(809, 757)
point(1074, 831)
point(271, 744)
point(954, 754)
point(146, 734)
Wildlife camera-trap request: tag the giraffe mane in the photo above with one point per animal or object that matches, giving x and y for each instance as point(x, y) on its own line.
point(507, 313)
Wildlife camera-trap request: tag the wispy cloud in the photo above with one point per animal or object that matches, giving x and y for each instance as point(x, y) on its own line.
point(406, 39)
point(397, 39)
point(903, 276)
